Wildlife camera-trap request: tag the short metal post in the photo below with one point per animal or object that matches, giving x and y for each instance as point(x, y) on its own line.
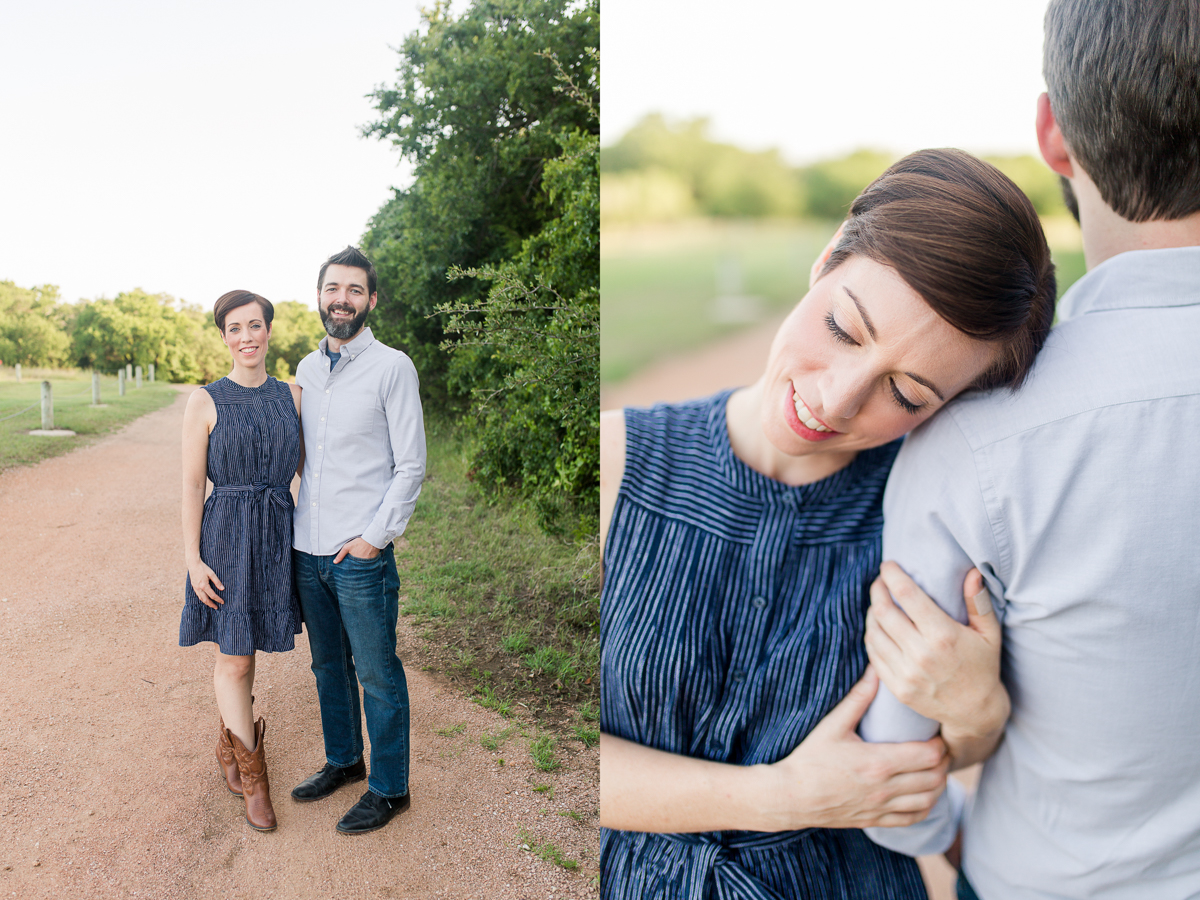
point(47, 407)
point(138, 377)
point(95, 389)
point(120, 382)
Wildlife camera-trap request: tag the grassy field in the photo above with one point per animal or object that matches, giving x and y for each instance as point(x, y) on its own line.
point(510, 613)
point(661, 286)
point(72, 411)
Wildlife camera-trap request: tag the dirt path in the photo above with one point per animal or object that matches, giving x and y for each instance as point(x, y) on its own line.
point(108, 727)
point(736, 361)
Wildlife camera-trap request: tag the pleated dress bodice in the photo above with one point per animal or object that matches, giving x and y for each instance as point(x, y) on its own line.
point(732, 620)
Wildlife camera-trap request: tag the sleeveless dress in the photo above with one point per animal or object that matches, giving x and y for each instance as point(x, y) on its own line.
point(246, 532)
point(731, 622)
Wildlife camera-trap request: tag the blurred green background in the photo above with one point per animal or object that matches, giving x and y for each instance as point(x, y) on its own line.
point(700, 239)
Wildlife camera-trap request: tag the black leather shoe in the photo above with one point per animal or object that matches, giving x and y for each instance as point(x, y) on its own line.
point(328, 780)
point(372, 812)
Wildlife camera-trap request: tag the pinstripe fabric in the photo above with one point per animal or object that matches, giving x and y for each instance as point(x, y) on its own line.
point(246, 533)
point(731, 623)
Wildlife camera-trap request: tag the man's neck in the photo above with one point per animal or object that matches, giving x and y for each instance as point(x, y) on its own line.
point(333, 345)
point(1105, 234)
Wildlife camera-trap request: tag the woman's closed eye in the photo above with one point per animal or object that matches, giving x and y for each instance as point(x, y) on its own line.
point(907, 405)
point(839, 334)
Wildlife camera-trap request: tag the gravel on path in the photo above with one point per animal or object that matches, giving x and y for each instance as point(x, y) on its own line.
point(112, 790)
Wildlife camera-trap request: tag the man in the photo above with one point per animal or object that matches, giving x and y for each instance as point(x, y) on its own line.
point(364, 460)
point(1078, 500)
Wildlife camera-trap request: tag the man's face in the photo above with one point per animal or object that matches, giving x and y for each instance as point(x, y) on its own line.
point(343, 301)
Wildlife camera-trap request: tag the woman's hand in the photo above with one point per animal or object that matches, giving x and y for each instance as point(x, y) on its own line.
point(205, 583)
point(834, 779)
point(943, 670)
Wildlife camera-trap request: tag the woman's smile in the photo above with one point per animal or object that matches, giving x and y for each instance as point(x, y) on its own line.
point(802, 420)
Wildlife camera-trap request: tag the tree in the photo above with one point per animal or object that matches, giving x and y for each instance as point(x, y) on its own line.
point(475, 107)
point(138, 329)
point(32, 326)
point(295, 332)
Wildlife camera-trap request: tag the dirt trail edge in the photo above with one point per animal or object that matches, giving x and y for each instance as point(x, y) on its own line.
point(108, 726)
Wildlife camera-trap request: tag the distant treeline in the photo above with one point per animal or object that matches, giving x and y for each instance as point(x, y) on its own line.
point(136, 328)
point(661, 171)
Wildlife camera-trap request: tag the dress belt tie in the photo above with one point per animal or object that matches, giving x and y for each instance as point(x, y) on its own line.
point(730, 880)
point(277, 495)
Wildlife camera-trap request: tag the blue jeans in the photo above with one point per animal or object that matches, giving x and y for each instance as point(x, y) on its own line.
point(350, 612)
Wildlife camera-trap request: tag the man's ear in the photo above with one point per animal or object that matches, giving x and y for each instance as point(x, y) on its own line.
point(374, 300)
point(1050, 140)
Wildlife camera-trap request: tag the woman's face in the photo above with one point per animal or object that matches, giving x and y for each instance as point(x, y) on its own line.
point(861, 360)
point(246, 334)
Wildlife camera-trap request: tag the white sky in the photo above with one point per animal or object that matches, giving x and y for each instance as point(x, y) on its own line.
point(817, 79)
point(191, 148)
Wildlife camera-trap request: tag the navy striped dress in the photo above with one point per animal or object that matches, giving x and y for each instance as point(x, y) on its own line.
point(246, 533)
point(731, 622)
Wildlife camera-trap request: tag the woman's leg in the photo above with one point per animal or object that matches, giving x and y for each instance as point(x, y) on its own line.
point(233, 680)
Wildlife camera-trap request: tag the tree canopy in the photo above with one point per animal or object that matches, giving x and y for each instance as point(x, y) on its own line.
point(497, 109)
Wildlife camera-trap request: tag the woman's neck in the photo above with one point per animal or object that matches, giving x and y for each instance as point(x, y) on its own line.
point(250, 378)
point(743, 419)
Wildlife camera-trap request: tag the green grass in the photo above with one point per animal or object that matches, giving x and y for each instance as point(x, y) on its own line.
point(508, 611)
point(658, 294)
point(543, 753)
point(546, 851)
point(659, 285)
point(452, 730)
point(72, 392)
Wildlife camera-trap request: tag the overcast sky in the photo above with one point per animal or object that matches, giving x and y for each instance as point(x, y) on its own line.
point(818, 79)
point(191, 148)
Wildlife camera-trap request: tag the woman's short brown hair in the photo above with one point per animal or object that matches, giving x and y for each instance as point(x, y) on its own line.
point(234, 299)
point(966, 239)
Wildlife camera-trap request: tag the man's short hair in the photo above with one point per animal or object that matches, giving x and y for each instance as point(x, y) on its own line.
point(351, 256)
point(1124, 84)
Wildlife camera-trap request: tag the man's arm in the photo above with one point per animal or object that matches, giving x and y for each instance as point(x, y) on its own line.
point(406, 430)
point(937, 528)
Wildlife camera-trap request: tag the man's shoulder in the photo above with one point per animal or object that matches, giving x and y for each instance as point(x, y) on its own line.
point(390, 358)
point(306, 364)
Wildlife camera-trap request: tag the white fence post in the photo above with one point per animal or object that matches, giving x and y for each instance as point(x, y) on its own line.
point(47, 407)
point(18, 368)
point(128, 371)
point(151, 372)
point(120, 382)
point(95, 389)
point(138, 376)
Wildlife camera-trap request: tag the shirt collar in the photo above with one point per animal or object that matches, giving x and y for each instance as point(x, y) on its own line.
point(1136, 279)
point(364, 340)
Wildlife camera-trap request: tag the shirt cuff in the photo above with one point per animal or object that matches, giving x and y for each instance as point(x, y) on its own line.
point(376, 537)
point(934, 834)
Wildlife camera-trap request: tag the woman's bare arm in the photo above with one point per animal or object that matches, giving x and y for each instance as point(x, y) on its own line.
point(612, 465)
point(296, 399)
point(833, 779)
point(199, 418)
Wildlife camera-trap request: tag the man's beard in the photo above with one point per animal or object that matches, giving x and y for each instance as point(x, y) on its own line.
point(343, 329)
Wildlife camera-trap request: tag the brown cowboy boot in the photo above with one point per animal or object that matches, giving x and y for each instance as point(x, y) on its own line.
point(227, 762)
point(256, 789)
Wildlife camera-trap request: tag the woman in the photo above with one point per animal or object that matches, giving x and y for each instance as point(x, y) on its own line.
point(243, 434)
point(743, 538)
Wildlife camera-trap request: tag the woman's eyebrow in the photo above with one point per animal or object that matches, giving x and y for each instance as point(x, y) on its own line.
point(862, 312)
point(871, 329)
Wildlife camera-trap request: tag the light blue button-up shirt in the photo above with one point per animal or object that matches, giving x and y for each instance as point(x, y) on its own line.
point(1078, 498)
point(364, 446)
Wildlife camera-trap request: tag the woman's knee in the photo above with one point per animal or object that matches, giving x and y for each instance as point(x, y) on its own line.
point(234, 668)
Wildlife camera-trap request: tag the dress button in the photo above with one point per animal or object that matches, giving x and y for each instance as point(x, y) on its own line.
point(739, 675)
point(759, 602)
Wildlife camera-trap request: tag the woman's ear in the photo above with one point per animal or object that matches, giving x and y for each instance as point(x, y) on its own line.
point(824, 256)
point(1050, 140)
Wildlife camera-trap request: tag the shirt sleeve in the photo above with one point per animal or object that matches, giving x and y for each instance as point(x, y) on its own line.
point(406, 434)
point(936, 526)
